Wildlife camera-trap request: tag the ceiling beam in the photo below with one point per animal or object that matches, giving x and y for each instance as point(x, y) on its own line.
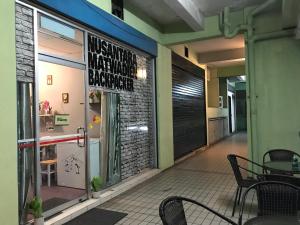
point(189, 12)
point(231, 71)
point(217, 56)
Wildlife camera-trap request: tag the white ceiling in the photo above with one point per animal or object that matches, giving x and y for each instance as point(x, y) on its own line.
point(213, 7)
point(157, 10)
point(217, 44)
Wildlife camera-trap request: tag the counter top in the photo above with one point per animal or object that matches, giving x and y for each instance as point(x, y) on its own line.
point(217, 118)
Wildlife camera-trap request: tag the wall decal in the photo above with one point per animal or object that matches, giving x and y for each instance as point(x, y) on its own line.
point(110, 66)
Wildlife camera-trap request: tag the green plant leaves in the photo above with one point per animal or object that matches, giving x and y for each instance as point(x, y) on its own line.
point(96, 183)
point(35, 207)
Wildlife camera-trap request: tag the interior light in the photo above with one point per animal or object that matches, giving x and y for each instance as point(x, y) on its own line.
point(132, 128)
point(144, 128)
point(243, 77)
point(142, 74)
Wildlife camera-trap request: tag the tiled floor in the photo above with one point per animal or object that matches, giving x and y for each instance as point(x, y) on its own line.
point(206, 177)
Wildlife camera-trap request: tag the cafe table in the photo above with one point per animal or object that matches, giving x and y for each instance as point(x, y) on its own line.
point(284, 166)
point(273, 220)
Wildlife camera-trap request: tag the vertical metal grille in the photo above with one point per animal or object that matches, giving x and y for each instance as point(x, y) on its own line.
point(189, 115)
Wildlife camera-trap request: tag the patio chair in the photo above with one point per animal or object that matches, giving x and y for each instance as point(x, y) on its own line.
point(171, 211)
point(280, 155)
point(242, 181)
point(281, 178)
point(275, 200)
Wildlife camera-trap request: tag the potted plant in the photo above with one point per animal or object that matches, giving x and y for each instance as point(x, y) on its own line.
point(35, 208)
point(98, 96)
point(96, 186)
point(91, 97)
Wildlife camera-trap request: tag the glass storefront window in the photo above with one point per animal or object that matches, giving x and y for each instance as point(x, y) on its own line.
point(59, 39)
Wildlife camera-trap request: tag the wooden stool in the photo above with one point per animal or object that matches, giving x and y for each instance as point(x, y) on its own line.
point(48, 172)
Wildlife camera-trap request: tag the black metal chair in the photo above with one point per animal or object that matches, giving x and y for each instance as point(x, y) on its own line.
point(281, 178)
point(239, 164)
point(280, 155)
point(275, 200)
point(171, 211)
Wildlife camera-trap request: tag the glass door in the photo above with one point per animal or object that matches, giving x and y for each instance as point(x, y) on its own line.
point(62, 129)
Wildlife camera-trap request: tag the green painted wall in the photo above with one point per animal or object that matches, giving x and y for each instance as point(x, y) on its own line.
point(273, 109)
point(8, 119)
point(278, 95)
point(164, 107)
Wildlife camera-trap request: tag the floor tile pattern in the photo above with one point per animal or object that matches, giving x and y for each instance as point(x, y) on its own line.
point(206, 177)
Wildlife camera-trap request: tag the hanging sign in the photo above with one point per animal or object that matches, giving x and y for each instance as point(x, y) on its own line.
point(110, 66)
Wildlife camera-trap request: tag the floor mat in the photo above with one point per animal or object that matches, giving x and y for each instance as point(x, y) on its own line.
point(53, 202)
point(98, 217)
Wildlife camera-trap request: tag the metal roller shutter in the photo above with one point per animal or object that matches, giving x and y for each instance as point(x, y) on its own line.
point(189, 112)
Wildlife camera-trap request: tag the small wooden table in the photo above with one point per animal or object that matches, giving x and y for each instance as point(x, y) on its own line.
point(48, 172)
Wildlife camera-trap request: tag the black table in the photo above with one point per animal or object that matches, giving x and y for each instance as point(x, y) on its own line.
point(273, 220)
point(283, 166)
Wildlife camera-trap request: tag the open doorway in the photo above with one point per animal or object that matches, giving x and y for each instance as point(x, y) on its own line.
point(224, 63)
point(237, 96)
point(104, 136)
point(62, 129)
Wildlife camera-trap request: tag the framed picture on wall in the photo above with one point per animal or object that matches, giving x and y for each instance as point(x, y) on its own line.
point(65, 97)
point(62, 119)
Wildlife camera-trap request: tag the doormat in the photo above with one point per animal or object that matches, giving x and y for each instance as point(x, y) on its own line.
point(98, 217)
point(53, 202)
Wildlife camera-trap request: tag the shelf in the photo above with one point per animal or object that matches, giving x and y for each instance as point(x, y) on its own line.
point(46, 115)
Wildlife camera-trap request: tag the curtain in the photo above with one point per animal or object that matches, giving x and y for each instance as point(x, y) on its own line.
point(113, 131)
point(25, 155)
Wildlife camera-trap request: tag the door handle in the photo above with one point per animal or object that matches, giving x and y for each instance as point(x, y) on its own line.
point(78, 139)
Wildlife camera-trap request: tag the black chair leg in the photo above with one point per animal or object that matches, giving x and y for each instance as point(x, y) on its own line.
point(240, 195)
point(235, 200)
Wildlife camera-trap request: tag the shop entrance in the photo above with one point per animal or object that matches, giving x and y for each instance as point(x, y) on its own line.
point(104, 136)
point(62, 149)
point(70, 131)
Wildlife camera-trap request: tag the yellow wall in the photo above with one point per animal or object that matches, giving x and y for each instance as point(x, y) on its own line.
point(164, 107)
point(141, 26)
point(103, 4)
point(213, 88)
point(179, 49)
point(130, 19)
point(164, 86)
point(8, 119)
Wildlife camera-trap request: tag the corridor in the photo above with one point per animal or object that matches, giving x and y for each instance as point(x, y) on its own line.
point(205, 177)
